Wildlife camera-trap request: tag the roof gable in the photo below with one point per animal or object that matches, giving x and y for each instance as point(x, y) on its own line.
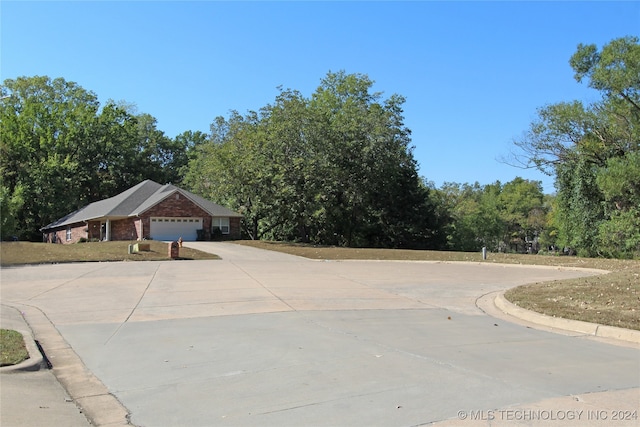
point(213, 208)
point(160, 194)
point(167, 190)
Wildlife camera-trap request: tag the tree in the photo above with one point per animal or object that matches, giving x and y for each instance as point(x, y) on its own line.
point(501, 217)
point(232, 168)
point(523, 212)
point(46, 147)
point(374, 194)
point(619, 183)
point(592, 150)
point(61, 151)
point(335, 168)
point(458, 201)
point(549, 233)
point(161, 158)
point(10, 204)
point(441, 218)
point(113, 167)
point(186, 144)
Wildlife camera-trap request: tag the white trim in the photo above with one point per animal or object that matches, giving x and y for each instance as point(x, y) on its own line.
point(223, 223)
point(172, 228)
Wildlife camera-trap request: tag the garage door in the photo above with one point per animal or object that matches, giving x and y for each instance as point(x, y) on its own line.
point(173, 228)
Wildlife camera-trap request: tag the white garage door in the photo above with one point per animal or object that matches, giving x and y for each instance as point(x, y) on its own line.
point(173, 228)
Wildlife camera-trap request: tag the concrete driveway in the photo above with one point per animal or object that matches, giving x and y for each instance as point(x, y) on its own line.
point(263, 338)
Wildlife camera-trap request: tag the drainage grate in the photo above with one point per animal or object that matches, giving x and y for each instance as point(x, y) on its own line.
point(45, 359)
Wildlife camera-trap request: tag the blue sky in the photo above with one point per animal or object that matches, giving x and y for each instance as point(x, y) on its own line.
point(473, 73)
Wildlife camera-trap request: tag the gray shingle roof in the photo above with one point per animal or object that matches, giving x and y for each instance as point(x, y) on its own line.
point(135, 201)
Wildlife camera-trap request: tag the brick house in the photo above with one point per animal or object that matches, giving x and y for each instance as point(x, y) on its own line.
point(147, 211)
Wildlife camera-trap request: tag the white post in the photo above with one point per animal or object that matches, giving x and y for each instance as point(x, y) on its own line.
point(108, 231)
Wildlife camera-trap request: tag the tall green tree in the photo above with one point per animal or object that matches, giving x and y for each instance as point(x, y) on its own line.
point(113, 167)
point(232, 168)
point(374, 194)
point(619, 182)
point(60, 151)
point(11, 203)
point(501, 217)
point(335, 168)
point(186, 145)
point(293, 165)
point(161, 158)
point(47, 145)
point(592, 149)
point(524, 214)
point(462, 203)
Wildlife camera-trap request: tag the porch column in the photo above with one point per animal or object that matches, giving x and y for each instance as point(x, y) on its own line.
point(108, 230)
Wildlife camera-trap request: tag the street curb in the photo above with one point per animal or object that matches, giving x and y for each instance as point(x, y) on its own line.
point(93, 398)
point(587, 328)
point(35, 362)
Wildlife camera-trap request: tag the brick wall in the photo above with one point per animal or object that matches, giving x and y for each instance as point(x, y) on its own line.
point(178, 206)
point(124, 229)
point(78, 231)
point(234, 228)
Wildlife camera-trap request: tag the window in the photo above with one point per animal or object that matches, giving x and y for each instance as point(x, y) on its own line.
point(221, 223)
point(68, 233)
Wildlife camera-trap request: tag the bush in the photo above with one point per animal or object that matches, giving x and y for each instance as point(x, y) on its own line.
point(216, 233)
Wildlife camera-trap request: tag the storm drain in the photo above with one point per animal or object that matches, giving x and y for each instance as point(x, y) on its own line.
point(45, 360)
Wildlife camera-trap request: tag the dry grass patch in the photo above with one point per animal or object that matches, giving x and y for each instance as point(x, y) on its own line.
point(609, 299)
point(17, 253)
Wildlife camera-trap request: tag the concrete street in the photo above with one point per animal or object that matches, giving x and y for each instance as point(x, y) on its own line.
point(263, 338)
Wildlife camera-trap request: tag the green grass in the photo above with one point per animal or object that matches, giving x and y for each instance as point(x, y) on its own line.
point(17, 253)
point(608, 299)
point(12, 348)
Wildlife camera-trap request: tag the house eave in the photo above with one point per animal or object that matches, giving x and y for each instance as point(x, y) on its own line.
point(65, 224)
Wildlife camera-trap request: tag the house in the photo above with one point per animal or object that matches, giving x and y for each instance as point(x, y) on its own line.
point(146, 211)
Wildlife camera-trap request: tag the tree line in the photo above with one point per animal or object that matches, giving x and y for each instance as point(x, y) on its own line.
point(336, 168)
point(61, 150)
point(593, 150)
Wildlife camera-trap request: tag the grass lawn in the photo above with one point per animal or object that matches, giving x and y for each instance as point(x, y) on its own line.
point(16, 253)
point(12, 348)
point(609, 299)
